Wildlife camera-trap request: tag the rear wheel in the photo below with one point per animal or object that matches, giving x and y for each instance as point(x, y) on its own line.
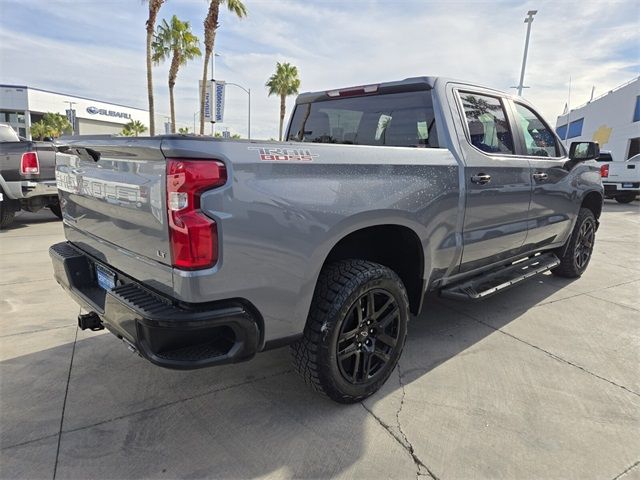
point(577, 254)
point(355, 332)
point(7, 211)
point(625, 198)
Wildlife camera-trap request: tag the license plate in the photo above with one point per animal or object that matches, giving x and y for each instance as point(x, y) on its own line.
point(627, 185)
point(106, 278)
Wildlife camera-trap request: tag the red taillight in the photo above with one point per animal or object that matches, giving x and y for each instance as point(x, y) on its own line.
point(604, 170)
point(29, 164)
point(193, 235)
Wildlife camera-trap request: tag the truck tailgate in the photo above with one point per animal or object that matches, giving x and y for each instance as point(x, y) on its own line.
point(114, 190)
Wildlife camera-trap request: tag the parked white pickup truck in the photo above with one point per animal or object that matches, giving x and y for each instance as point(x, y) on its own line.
point(621, 180)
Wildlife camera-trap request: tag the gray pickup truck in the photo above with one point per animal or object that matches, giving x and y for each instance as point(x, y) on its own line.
point(198, 252)
point(27, 176)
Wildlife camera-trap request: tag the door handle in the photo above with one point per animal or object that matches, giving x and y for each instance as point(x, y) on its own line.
point(539, 176)
point(481, 178)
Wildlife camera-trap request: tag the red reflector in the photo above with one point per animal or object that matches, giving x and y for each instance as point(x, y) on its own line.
point(604, 170)
point(29, 164)
point(193, 235)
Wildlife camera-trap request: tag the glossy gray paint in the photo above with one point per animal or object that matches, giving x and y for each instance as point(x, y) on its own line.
point(278, 220)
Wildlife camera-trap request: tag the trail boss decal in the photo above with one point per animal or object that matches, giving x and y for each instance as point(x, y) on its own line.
point(284, 154)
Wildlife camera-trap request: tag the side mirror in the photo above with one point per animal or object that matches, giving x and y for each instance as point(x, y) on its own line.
point(582, 151)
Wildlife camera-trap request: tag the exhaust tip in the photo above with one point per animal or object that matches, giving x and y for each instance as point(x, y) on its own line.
point(90, 321)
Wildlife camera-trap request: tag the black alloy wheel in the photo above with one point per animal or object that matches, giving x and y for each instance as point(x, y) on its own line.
point(368, 336)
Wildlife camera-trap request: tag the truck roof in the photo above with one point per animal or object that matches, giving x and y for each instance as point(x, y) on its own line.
point(408, 84)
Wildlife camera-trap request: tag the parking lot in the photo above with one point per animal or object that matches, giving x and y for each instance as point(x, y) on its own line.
point(540, 382)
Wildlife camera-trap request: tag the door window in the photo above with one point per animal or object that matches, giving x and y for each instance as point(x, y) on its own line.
point(539, 140)
point(487, 121)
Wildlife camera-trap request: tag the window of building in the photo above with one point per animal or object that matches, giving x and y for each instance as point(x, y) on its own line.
point(538, 137)
point(562, 131)
point(574, 130)
point(636, 112)
point(487, 121)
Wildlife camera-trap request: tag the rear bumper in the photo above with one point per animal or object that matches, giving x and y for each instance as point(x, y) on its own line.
point(164, 331)
point(28, 188)
point(613, 188)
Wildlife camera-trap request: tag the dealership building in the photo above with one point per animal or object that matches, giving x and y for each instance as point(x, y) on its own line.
point(612, 120)
point(21, 106)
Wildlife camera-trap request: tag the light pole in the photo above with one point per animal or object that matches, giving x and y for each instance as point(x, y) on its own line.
point(528, 21)
point(248, 92)
point(71, 116)
point(213, 78)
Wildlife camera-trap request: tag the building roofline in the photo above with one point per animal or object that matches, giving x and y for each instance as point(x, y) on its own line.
point(26, 87)
point(615, 89)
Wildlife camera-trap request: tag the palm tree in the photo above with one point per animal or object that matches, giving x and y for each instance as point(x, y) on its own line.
point(133, 128)
point(175, 41)
point(284, 82)
point(210, 29)
point(154, 8)
point(52, 125)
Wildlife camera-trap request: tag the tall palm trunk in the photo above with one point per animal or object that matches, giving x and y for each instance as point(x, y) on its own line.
point(173, 74)
point(152, 123)
point(203, 90)
point(282, 110)
point(210, 27)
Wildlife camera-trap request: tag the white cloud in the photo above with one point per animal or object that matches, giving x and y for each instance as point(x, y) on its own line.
point(333, 44)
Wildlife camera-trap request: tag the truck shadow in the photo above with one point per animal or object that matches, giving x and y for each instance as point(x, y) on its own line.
point(125, 418)
point(24, 219)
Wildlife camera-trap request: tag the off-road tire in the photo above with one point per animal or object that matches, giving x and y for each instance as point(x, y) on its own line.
point(569, 266)
point(6, 214)
point(340, 286)
point(625, 197)
point(56, 210)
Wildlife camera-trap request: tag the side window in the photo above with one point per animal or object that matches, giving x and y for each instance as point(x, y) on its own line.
point(539, 140)
point(487, 121)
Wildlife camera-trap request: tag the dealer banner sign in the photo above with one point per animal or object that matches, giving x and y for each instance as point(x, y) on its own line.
point(214, 101)
point(219, 87)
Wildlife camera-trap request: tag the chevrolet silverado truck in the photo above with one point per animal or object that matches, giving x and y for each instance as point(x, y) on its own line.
point(27, 176)
point(198, 252)
point(621, 180)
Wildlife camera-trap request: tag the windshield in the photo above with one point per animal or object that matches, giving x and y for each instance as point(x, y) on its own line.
point(399, 119)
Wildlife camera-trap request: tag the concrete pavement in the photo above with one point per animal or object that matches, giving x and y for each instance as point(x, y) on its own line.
point(540, 382)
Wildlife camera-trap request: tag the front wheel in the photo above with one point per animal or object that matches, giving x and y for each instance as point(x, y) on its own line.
point(625, 197)
point(577, 254)
point(355, 332)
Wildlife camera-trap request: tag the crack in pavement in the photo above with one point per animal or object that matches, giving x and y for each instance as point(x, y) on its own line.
point(550, 354)
point(421, 468)
point(64, 403)
point(627, 470)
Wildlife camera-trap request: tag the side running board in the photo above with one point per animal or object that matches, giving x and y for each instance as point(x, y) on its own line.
point(494, 281)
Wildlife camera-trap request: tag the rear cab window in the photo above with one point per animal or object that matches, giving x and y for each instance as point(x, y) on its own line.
point(403, 119)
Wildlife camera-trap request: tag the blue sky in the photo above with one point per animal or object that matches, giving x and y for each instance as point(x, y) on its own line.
point(96, 48)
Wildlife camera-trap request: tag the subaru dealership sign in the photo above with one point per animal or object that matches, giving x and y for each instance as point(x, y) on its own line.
point(108, 113)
